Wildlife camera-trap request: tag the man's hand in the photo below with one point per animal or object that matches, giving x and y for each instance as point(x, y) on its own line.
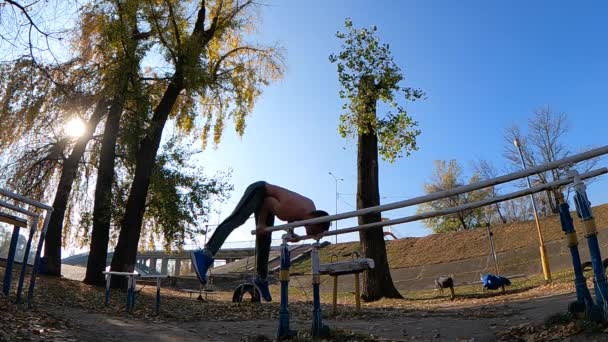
point(293, 238)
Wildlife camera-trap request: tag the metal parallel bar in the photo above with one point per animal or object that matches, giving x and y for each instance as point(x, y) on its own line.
point(24, 199)
point(449, 211)
point(133, 292)
point(317, 328)
point(30, 294)
point(283, 330)
point(34, 224)
point(108, 279)
point(26, 255)
point(17, 208)
point(10, 259)
point(583, 208)
point(13, 220)
point(584, 302)
point(49, 210)
point(447, 193)
point(334, 302)
point(157, 296)
point(129, 293)
point(357, 292)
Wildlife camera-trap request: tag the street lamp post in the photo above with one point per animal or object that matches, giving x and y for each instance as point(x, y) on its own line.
point(336, 179)
point(543, 251)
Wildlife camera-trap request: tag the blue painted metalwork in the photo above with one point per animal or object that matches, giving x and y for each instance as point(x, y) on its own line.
point(108, 280)
point(284, 330)
point(583, 296)
point(26, 255)
point(130, 294)
point(583, 208)
point(318, 329)
point(30, 294)
point(158, 295)
point(10, 259)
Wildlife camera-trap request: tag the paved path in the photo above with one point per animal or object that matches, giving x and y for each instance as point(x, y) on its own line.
point(452, 324)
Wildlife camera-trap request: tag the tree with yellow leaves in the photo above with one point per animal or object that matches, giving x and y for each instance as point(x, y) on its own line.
point(215, 74)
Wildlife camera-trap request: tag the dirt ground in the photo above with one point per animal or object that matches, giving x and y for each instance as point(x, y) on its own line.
point(456, 323)
point(67, 310)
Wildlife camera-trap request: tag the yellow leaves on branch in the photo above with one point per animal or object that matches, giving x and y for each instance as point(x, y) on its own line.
point(237, 71)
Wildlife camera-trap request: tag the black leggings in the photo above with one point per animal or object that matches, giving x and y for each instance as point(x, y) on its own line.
point(250, 203)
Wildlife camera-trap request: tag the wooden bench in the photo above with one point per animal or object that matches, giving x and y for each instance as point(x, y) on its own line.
point(336, 269)
point(131, 283)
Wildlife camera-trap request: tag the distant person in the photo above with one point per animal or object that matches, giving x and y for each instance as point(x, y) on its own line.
point(265, 201)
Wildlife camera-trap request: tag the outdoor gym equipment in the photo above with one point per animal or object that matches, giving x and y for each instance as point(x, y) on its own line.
point(595, 311)
point(318, 328)
point(339, 268)
point(131, 286)
point(22, 223)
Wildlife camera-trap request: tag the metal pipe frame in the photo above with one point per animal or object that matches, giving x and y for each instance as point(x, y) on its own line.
point(318, 329)
point(583, 208)
point(38, 204)
point(568, 161)
point(26, 255)
point(33, 225)
point(284, 330)
point(584, 302)
point(454, 210)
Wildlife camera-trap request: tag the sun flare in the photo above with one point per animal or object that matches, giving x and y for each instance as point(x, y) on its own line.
point(74, 128)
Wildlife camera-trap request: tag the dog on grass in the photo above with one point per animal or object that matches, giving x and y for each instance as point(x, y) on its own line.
point(445, 282)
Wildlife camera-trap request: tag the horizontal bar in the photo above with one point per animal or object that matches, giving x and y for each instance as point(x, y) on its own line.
point(14, 220)
point(447, 193)
point(17, 209)
point(24, 199)
point(453, 210)
point(120, 273)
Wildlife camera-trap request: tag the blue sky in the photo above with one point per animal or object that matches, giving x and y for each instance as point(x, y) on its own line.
point(483, 65)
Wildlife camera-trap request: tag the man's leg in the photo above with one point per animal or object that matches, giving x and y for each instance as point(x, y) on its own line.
point(262, 249)
point(250, 202)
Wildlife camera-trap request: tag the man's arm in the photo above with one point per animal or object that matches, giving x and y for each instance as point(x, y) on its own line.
point(269, 207)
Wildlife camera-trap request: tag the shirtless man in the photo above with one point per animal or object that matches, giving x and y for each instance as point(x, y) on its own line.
point(265, 201)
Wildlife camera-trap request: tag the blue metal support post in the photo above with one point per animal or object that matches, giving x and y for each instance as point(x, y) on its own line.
point(10, 259)
point(130, 293)
point(583, 208)
point(157, 296)
point(108, 279)
point(584, 302)
point(318, 329)
point(284, 330)
point(30, 293)
point(26, 256)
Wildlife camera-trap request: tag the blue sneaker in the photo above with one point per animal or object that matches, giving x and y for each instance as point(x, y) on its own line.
point(262, 285)
point(201, 263)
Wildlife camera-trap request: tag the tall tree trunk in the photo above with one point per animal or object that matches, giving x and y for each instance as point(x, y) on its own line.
point(377, 282)
point(100, 235)
point(52, 242)
point(125, 252)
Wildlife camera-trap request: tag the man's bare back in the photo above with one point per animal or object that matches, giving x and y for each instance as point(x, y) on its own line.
point(287, 206)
